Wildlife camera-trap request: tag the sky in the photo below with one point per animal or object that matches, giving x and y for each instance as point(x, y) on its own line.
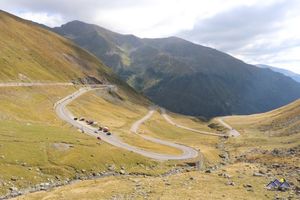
point(255, 31)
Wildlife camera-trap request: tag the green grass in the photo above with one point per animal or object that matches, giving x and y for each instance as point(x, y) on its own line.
point(39, 54)
point(158, 127)
point(118, 114)
point(29, 128)
point(265, 130)
point(201, 186)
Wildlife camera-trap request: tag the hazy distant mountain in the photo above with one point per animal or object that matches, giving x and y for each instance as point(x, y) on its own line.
point(185, 77)
point(291, 74)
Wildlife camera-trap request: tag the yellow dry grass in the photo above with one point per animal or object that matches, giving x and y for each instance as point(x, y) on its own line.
point(29, 128)
point(29, 52)
point(158, 127)
point(192, 185)
point(117, 114)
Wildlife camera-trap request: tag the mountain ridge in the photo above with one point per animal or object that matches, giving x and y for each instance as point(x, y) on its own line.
point(285, 72)
point(34, 53)
point(185, 77)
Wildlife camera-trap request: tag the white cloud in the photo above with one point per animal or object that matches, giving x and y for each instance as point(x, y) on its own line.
point(261, 43)
point(43, 18)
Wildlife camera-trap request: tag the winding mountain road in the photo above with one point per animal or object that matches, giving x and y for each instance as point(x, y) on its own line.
point(168, 119)
point(188, 152)
point(66, 115)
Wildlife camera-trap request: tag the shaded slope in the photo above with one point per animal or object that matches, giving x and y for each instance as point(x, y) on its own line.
point(185, 77)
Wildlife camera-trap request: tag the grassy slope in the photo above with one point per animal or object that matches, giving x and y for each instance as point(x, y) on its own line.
point(201, 186)
point(279, 122)
point(274, 129)
point(118, 114)
point(29, 130)
point(158, 127)
point(31, 53)
point(42, 55)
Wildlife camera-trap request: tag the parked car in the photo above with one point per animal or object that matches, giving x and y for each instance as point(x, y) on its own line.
point(98, 138)
point(89, 122)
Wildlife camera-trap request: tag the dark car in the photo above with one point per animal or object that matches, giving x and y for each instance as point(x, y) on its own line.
point(108, 133)
point(75, 118)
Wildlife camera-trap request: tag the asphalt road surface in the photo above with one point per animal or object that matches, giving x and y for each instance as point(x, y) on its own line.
point(66, 115)
point(169, 120)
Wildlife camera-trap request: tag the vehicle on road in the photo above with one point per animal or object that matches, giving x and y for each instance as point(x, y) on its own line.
point(75, 118)
point(65, 115)
point(105, 129)
point(95, 131)
point(108, 133)
point(81, 119)
point(89, 122)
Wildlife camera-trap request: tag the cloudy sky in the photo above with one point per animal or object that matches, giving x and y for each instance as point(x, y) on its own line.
point(255, 31)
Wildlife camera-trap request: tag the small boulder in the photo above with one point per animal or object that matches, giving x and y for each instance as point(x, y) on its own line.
point(111, 167)
point(13, 189)
point(258, 174)
point(247, 185)
point(231, 183)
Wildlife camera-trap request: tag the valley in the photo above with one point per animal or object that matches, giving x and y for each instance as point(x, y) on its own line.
point(182, 76)
point(73, 128)
point(237, 151)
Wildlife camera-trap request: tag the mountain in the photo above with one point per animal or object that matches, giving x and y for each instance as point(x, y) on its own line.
point(36, 146)
point(288, 73)
point(38, 151)
point(185, 77)
point(33, 53)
